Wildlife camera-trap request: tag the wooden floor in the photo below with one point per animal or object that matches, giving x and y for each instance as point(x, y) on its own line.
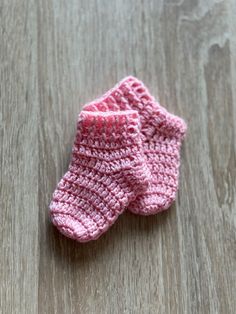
point(57, 55)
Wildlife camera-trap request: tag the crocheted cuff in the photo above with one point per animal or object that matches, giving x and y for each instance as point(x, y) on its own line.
point(150, 110)
point(131, 93)
point(109, 125)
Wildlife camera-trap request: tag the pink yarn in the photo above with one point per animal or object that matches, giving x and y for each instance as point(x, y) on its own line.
point(108, 171)
point(162, 134)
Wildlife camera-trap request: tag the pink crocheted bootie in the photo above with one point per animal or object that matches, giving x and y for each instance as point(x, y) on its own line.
point(162, 134)
point(107, 171)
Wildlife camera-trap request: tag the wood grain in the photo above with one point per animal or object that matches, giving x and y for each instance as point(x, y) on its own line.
point(56, 55)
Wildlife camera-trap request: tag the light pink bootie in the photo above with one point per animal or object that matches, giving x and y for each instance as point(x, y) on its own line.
point(108, 170)
point(162, 135)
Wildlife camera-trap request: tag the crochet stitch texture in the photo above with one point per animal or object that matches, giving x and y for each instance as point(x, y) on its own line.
point(107, 171)
point(162, 134)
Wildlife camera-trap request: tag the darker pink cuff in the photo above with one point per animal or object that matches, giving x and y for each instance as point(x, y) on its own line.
point(109, 125)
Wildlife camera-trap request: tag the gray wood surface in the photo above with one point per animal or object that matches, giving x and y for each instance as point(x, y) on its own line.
point(56, 55)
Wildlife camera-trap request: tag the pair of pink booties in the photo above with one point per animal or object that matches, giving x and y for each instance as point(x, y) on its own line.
point(126, 154)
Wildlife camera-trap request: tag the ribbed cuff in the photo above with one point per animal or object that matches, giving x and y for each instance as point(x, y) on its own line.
point(151, 110)
point(131, 94)
point(109, 125)
point(121, 97)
